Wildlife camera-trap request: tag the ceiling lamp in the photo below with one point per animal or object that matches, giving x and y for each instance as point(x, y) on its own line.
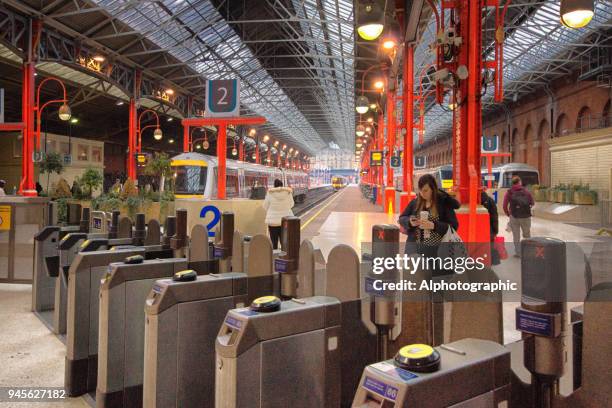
point(157, 134)
point(370, 20)
point(64, 112)
point(361, 105)
point(360, 130)
point(205, 144)
point(234, 152)
point(370, 120)
point(74, 120)
point(198, 147)
point(171, 141)
point(368, 129)
point(276, 143)
point(379, 84)
point(373, 107)
point(266, 138)
point(576, 13)
point(169, 91)
point(99, 58)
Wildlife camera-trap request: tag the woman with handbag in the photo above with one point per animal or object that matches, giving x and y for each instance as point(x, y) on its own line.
point(427, 219)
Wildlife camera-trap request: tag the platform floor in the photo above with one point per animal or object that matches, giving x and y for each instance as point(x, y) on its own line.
point(31, 355)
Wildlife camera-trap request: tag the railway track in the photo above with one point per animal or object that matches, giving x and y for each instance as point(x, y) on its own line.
point(313, 198)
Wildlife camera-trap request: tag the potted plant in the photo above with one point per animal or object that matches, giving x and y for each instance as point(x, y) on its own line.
point(52, 163)
point(91, 179)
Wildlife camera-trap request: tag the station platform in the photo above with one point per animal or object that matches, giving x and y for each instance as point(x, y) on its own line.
point(30, 351)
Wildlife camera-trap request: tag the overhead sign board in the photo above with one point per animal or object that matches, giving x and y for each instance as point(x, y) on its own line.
point(376, 158)
point(222, 98)
point(420, 162)
point(396, 162)
point(490, 144)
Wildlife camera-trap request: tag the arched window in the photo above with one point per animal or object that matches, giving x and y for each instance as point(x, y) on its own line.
point(562, 125)
point(583, 121)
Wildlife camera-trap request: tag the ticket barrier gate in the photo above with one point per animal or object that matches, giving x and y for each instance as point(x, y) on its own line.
point(541, 319)
point(344, 353)
point(222, 250)
point(178, 371)
point(287, 262)
point(84, 283)
point(74, 243)
point(465, 373)
point(311, 271)
point(45, 285)
point(253, 349)
point(122, 322)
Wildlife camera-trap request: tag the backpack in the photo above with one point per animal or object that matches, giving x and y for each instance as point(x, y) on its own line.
point(520, 205)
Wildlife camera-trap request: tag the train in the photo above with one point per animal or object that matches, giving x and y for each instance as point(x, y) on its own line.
point(195, 176)
point(338, 182)
point(502, 175)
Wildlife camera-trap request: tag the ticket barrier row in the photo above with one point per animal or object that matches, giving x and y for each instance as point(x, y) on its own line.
point(44, 280)
point(291, 354)
point(91, 264)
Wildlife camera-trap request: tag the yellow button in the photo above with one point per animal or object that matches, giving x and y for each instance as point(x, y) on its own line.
point(414, 351)
point(265, 299)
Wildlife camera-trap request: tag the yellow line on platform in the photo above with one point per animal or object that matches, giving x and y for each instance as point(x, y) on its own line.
point(321, 209)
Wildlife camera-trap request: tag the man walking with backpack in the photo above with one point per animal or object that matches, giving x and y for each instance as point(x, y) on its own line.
point(517, 205)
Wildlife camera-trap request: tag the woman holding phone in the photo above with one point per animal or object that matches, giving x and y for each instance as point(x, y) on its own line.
point(427, 218)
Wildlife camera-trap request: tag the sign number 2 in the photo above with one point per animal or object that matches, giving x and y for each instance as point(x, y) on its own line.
point(223, 99)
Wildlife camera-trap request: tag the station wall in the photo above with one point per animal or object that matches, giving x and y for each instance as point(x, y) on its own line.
point(567, 108)
point(85, 153)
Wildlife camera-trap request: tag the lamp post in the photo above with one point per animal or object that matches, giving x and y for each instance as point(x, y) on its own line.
point(64, 110)
point(157, 134)
point(205, 142)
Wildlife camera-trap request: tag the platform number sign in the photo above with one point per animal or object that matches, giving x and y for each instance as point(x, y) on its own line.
point(420, 162)
point(490, 144)
point(396, 162)
point(222, 98)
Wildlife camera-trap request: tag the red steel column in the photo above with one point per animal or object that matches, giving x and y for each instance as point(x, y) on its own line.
point(257, 158)
point(408, 165)
point(221, 153)
point(474, 128)
point(131, 163)
point(390, 133)
point(186, 138)
point(27, 186)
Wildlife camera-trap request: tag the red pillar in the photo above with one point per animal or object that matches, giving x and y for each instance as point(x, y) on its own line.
point(379, 146)
point(221, 153)
point(257, 158)
point(185, 138)
point(27, 186)
point(131, 161)
point(241, 151)
point(390, 133)
point(408, 165)
point(269, 161)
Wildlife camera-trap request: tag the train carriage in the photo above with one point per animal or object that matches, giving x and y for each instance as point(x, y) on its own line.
point(195, 176)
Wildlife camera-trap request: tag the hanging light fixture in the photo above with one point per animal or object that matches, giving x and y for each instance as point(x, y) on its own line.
point(205, 143)
point(64, 112)
point(370, 20)
point(360, 130)
point(370, 120)
point(361, 105)
point(368, 129)
point(576, 13)
point(252, 132)
point(234, 150)
point(379, 84)
point(157, 134)
point(266, 138)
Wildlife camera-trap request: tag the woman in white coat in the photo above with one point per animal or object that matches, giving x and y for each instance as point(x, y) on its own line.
point(278, 204)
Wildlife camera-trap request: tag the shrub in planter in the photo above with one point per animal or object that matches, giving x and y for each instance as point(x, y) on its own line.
point(129, 189)
point(61, 190)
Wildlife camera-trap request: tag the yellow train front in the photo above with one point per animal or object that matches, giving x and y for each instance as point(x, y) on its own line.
point(338, 183)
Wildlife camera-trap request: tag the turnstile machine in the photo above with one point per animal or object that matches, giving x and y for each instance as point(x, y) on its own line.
point(280, 354)
point(465, 373)
point(179, 372)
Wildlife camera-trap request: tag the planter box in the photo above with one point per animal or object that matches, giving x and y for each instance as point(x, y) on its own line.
point(153, 210)
point(583, 198)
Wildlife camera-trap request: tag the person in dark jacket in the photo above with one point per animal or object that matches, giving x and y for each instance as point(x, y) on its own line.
point(488, 203)
point(518, 202)
point(427, 218)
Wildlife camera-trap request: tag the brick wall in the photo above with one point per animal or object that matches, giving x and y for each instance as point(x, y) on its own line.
point(527, 125)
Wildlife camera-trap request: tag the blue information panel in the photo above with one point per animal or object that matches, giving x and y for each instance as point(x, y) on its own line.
point(281, 265)
point(490, 144)
point(233, 322)
point(218, 252)
point(541, 324)
point(97, 223)
point(380, 388)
